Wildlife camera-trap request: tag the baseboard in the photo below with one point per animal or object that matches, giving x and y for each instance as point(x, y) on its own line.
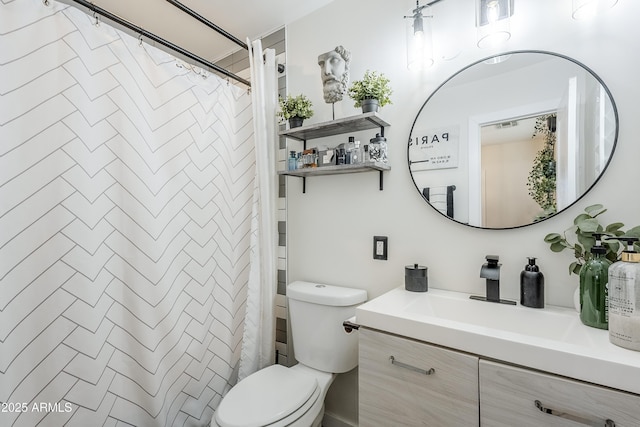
point(331, 420)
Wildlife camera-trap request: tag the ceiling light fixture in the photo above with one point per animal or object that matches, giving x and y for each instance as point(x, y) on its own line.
point(419, 39)
point(493, 22)
point(586, 9)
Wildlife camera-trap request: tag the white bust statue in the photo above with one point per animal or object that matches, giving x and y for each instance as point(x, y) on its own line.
point(334, 70)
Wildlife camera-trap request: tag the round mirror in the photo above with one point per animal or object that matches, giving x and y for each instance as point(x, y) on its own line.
point(513, 139)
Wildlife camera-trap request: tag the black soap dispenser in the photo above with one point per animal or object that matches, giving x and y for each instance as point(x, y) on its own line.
point(532, 285)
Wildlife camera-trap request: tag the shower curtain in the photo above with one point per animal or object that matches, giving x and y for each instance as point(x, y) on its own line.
point(127, 200)
point(258, 340)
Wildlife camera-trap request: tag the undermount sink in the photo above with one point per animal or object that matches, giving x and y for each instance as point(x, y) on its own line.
point(551, 339)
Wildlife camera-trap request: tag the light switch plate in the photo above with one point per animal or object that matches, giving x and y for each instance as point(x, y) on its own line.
point(380, 247)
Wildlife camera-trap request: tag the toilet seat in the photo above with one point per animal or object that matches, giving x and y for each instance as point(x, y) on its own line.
point(273, 396)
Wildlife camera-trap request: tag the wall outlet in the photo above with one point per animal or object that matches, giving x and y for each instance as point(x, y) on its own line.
point(380, 247)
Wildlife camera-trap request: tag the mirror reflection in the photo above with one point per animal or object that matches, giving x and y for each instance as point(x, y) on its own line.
point(505, 143)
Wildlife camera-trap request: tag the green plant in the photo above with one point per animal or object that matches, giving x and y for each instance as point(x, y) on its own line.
point(584, 225)
point(542, 177)
point(373, 85)
point(295, 106)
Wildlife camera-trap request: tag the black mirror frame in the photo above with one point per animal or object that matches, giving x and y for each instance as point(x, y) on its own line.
point(606, 166)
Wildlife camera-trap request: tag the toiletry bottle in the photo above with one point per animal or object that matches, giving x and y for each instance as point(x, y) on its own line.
point(624, 304)
point(300, 161)
point(348, 150)
point(366, 158)
point(292, 162)
point(378, 148)
point(357, 154)
point(594, 293)
point(532, 285)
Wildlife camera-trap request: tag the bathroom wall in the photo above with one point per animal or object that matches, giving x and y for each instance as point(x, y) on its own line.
point(330, 228)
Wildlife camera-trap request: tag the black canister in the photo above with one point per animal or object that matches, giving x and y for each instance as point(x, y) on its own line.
point(415, 278)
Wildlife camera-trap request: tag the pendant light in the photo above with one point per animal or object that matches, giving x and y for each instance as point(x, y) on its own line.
point(493, 22)
point(586, 9)
point(419, 39)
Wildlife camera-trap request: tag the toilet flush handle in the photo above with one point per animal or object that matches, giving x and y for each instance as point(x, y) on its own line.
point(349, 325)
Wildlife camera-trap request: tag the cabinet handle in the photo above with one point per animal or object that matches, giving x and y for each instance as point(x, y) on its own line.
point(430, 371)
point(576, 418)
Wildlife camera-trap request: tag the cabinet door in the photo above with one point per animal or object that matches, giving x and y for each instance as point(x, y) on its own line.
point(511, 396)
point(424, 386)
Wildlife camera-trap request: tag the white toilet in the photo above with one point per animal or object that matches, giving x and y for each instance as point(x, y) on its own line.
point(277, 396)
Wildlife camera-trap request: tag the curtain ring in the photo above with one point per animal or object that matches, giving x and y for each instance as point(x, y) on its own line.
point(95, 16)
point(45, 2)
point(140, 40)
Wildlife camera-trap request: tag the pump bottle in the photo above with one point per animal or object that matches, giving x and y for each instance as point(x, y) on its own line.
point(594, 293)
point(532, 285)
point(624, 304)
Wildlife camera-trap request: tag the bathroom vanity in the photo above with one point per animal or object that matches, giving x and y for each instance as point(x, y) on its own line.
point(439, 358)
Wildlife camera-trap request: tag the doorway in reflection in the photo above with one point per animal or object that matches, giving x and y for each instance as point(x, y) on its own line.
point(508, 154)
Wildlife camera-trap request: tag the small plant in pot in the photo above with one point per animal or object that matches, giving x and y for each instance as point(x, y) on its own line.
point(295, 109)
point(371, 92)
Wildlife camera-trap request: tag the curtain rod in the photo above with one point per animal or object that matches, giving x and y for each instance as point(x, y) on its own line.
point(208, 23)
point(115, 18)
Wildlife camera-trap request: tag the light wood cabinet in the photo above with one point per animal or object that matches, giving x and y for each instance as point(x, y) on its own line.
point(403, 382)
point(511, 396)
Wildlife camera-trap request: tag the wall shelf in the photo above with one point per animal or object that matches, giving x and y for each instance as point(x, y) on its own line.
point(344, 125)
point(337, 169)
point(357, 123)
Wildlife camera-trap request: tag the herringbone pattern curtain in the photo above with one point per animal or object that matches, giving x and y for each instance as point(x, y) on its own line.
point(126, 188)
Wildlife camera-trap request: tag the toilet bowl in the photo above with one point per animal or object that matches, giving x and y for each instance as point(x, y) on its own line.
point(277, 396)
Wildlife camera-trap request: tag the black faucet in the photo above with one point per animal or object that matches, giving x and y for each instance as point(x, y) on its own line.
point(491, 272)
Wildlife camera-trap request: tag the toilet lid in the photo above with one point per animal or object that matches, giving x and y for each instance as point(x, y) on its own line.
point(265, 397)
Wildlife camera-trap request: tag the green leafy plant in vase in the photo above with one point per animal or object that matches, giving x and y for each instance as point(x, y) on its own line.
point(541, 181)
point(579, 237)
point(295, 109)
point(371, 92)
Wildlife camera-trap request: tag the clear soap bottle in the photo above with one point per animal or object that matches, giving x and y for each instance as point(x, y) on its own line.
point(348, 150)
point(594, 293)
point(292, 162)
point(357, 154)
point(624, 304)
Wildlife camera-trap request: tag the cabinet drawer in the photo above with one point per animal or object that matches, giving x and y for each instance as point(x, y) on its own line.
point(403, 393)
point(508, 397)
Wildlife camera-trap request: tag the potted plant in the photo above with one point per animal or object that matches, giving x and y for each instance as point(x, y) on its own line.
point(371, 92)
point(584, 225)
point(295, 109)
point(542, 177)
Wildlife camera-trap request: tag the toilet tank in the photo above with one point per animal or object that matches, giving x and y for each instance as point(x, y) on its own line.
point(316, 312)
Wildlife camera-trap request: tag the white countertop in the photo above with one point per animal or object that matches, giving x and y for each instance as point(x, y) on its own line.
point(552, 339)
